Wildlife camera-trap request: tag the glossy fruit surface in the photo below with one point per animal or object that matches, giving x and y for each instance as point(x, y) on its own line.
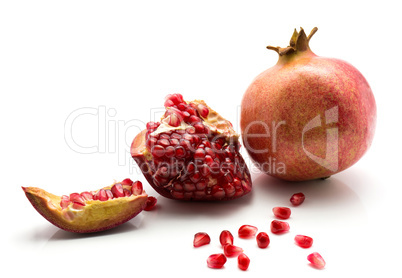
point(307, 117)
point(297, 199)
point(247, 231)
point(304, 241)
point(262, 240)
point(192, 154)
point(282, 212)
point(201, 239)
point(88, 212)
point(316, 260)
point(243, 261)
point(216, 260)
point(279, 227)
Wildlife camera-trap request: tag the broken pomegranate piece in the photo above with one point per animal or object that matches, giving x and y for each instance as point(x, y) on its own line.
point(88, 212)
point(192, 154)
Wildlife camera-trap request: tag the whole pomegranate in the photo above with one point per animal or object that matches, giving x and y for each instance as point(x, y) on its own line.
point(307, 117)
point(192, 154)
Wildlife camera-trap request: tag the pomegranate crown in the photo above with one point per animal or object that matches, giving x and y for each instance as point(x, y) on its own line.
point(299, 42)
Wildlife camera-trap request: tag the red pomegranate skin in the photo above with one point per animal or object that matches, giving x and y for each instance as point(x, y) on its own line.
point(279, 107)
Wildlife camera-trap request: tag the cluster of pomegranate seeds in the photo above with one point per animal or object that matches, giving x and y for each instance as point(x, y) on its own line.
point(304, 241)
point(316, 260)
point(216, 261)
point(190, 159)
point(282, 212)
point(247, 231)
point(201, 239)
point(123, 189)
point(297, 199)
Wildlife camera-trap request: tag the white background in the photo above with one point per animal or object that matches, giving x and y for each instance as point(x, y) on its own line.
point(123, 57)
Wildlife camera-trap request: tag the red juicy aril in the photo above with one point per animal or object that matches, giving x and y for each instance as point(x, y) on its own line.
point(192, 153)
point(307, 117)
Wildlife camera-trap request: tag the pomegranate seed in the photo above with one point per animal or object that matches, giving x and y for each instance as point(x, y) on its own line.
point(174, 120)
point(201, 239)
point(278, 227)
point(151, 203)
point(65, 201)
point(77, 206)
point(281, 212)
point(137, 188)
point(316, 260)
point(231, 251)
point(126, 192)
point(87, 196)
point(247, 231)
point(127, 182)
point(101, 195)
point(297, 199)
point(76, 198)
point(202, 110)
point(303, 241)
point(243, 261)
point(216, 260)
point(117, 190)
point(263, 240)
point(226, 237)
point(109, 194)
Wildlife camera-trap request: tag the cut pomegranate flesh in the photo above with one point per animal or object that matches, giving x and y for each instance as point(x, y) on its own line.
point(304, 241)
point(226, 237)
point(297, 199)
point(192, 154)
point(247, 231)
point(119, 189)
point(231, 251)
point(216, 261)
point(281, 212)
point(278, 227)
point(201, 239)
point(316, 260)
point(151, 203)
point(263, 240)
point(243, 261)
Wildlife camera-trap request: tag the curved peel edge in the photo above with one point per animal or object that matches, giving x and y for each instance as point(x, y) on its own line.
point(96, 216)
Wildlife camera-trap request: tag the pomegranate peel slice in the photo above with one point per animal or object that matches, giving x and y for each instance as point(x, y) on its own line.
point(94, 216)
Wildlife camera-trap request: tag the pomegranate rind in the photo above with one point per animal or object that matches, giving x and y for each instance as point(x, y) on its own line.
point(95, 216)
